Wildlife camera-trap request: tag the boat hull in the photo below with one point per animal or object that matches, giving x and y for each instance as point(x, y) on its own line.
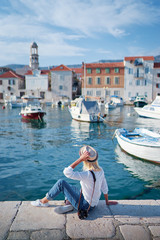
point(33, 116)
point(140, 104)
point(92, 118)
point(147, 113)
point(146, 152)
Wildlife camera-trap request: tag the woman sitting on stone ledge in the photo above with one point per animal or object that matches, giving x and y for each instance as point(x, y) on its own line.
point(89, 198)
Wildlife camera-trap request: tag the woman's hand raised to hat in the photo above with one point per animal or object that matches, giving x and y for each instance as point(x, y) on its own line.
point(84, 156)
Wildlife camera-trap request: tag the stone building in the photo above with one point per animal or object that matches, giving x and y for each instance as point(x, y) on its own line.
point(11, 84)
point(138, 77)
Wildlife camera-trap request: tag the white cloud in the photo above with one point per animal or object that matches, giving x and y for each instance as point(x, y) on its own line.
point(58, 26)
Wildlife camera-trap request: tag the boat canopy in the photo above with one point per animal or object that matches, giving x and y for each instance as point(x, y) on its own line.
point(90, 107)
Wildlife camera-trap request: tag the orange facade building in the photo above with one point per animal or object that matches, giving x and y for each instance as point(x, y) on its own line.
point(101, 80)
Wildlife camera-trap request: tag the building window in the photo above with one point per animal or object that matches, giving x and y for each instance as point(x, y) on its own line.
point(107, 70)
point(98, 80)
point(60, 87)
point(137, 82)
point(117, 93)
point(116, 70)
point(157, 85)
point(98, 93)
point(116, 80)
point(98, 70)
point(89, 70)
point(61, 78)
point(1, 82)
point(144, 82)
point(89, 93)
point(1, 95)
point(89, 81)
point(147, 70)
point(11, 82)
point(130, 70)
point(107, 81)
point(107, 93)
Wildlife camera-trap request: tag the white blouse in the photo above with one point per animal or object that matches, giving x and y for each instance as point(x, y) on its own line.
point(87, 183)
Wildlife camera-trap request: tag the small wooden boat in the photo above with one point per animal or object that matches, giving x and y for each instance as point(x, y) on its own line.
point(140, 143)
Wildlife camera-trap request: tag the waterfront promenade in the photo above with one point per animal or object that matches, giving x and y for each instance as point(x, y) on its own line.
point(129, 220)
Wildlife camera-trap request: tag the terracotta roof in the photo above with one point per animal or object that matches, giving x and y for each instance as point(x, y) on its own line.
point(43, 72)
point(144, 58)
point(105, 65)
point(10, 74)
point(77, 70)
point(157, 65)
point(29, 72)
point(61, 68)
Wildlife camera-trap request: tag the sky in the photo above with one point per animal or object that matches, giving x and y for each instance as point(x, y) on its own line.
point(75, 31)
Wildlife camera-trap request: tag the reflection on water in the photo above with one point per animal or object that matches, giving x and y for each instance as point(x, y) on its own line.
point(144, 170)
point(33, 123)
point(149, 123)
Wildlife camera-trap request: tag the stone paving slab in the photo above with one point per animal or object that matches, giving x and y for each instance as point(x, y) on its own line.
point(99, 224)
point(133, 219)
point(137, 211)
point(8, 212)
point(32, 218)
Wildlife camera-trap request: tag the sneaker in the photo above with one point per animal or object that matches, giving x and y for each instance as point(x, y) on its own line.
point(38, 203)
point(64, 209)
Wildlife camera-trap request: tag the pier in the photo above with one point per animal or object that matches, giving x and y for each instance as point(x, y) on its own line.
point(128, 220)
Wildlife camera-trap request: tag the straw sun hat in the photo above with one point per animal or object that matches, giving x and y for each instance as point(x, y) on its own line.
point(93, 153)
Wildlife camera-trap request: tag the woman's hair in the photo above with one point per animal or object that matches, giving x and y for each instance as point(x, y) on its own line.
point(91, 166)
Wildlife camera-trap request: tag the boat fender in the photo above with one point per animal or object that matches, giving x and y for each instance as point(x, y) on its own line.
point(3, 107)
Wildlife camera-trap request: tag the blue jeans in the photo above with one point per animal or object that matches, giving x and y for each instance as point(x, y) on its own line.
point(71, 193)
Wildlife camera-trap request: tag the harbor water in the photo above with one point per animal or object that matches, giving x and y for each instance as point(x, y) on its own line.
point(33, 155)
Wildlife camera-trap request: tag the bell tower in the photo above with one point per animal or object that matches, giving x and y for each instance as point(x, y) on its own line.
point(34, 61)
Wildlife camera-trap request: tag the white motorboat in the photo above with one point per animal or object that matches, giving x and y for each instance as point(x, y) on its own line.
point(140, 101)
point(86, 111)
point(151, 110)
point(140, 142)
point(32, 112)
point(117, 100)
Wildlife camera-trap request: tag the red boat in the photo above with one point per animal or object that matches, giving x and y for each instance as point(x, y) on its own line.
point(33, 110)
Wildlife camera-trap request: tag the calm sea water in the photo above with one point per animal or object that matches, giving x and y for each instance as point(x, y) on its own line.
point(33, 156)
